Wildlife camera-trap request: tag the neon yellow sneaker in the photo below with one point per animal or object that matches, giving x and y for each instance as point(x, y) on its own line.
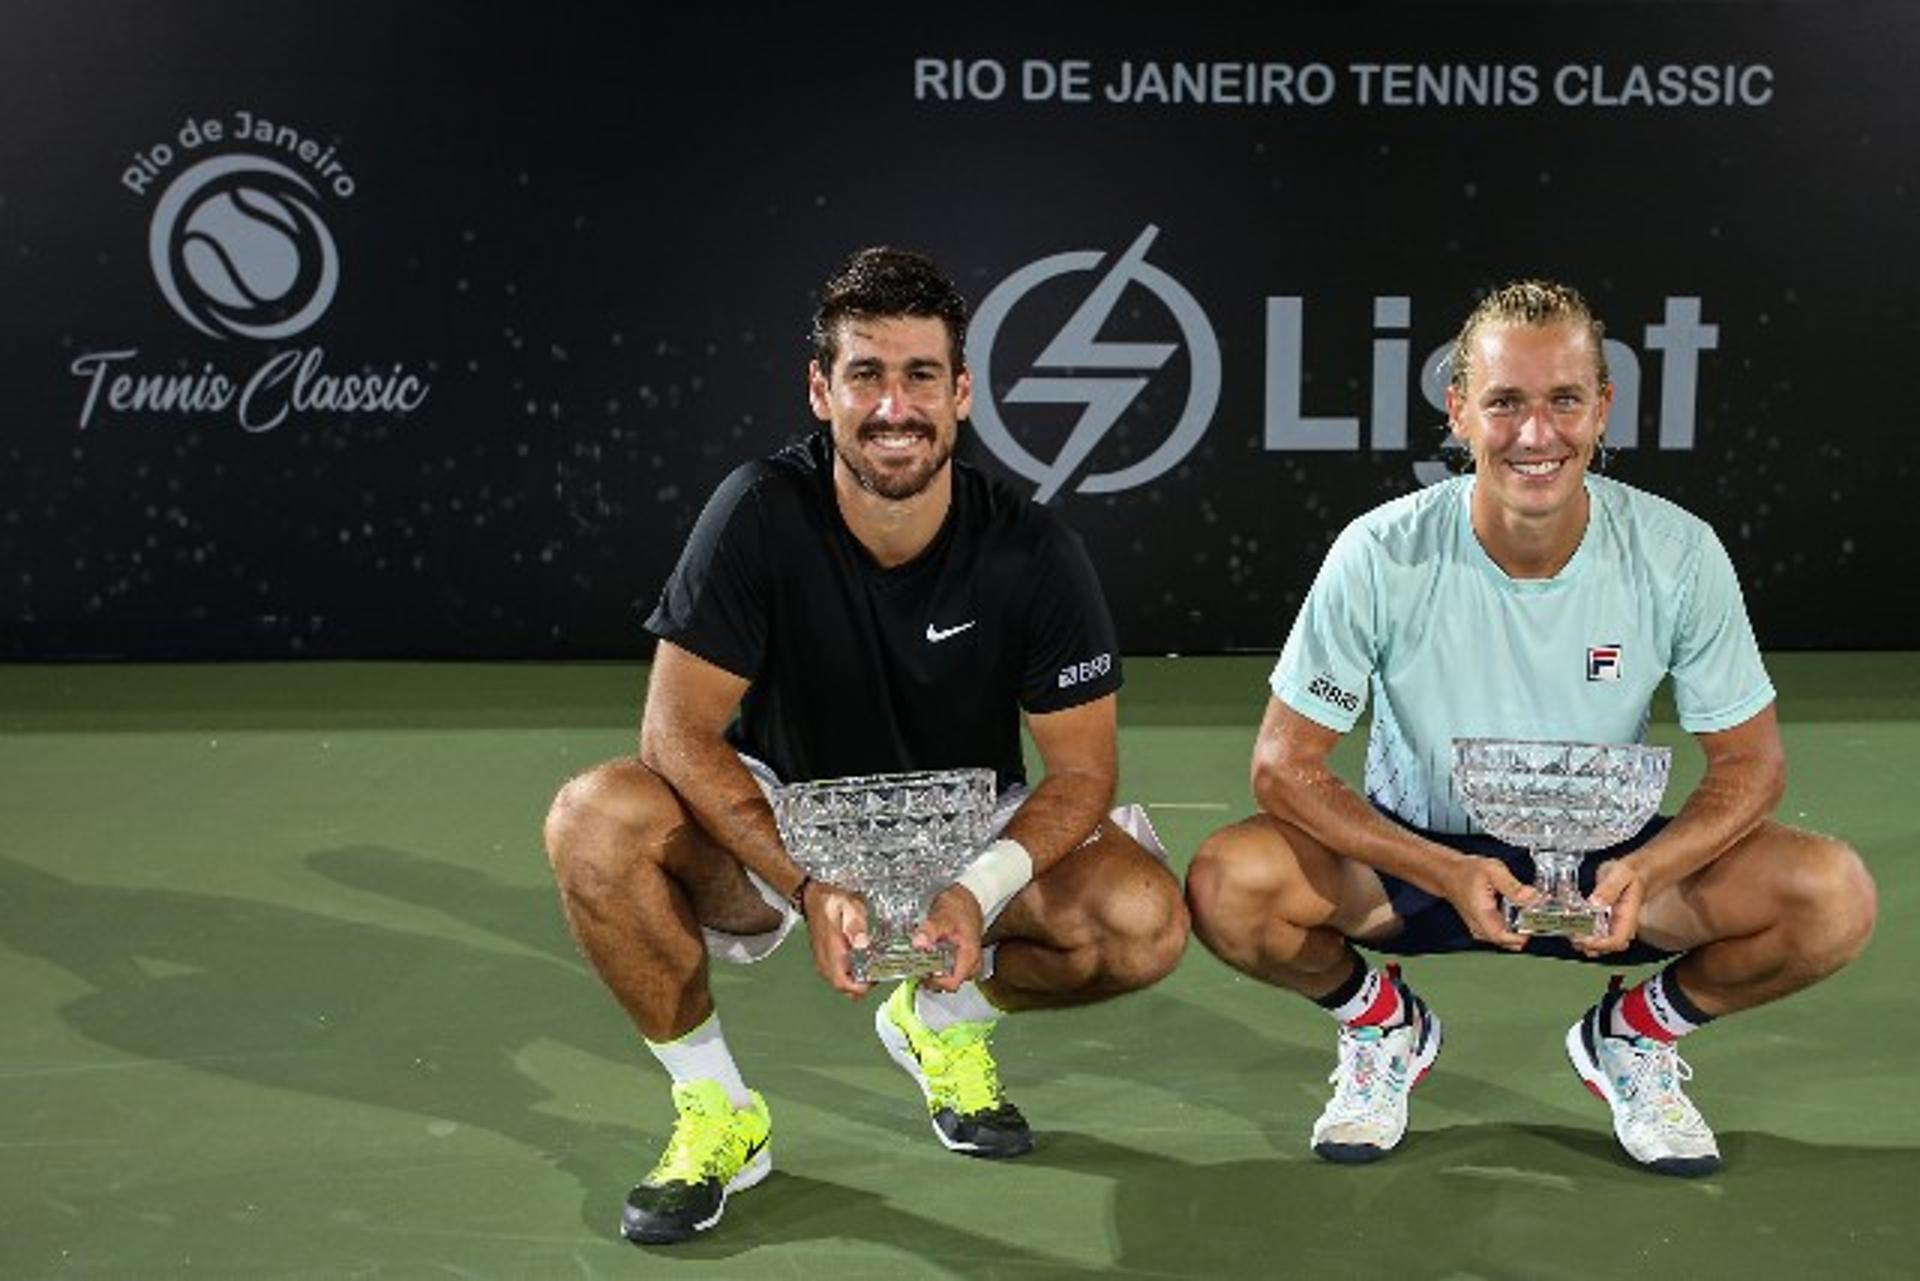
point(956, 1072)
point(716, 1149)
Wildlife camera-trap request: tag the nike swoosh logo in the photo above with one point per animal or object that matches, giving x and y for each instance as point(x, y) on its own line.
point(938, 634)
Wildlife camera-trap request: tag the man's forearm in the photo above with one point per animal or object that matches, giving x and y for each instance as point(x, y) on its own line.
point(708, 776)
point(1731, 800)
point(1317, 801)
point(1060, 813)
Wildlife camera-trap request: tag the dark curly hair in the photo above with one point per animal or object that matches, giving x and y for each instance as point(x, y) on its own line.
point(882, 281)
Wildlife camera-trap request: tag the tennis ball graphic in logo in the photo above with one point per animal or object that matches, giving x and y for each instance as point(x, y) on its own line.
point(239, 250)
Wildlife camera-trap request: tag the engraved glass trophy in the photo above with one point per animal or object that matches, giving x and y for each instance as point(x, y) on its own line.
point(1558, 801)
point(895, 839)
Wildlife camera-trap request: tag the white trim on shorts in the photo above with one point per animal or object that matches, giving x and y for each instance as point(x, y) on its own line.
point(745, 949)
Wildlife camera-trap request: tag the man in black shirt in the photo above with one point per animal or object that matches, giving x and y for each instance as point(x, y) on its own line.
point(859, 603)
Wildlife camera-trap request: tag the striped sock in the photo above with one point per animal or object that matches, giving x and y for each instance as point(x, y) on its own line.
point(1657, 1009)
point(1369, 998)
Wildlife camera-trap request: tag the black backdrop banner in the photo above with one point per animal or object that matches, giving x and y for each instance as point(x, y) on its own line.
point(424, 329)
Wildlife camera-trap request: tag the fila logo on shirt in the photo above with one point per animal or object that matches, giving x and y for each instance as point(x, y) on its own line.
point(1603, 662)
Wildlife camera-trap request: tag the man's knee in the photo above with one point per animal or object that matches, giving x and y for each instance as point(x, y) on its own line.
point(607, 817)
point(1238, 874)
point(1111, 916)
point(1147, 926)
point(1831, 901)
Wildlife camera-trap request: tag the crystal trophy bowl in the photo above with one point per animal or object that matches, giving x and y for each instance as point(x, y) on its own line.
point(1559, 801)
point(895, 839)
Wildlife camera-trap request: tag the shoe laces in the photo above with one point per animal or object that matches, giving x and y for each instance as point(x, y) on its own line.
point(1651, 1085)
point(1365, 1061)
point(961, 1071)
point(705, 1143)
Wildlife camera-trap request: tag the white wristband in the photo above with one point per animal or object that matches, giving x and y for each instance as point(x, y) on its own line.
point(1002, 871)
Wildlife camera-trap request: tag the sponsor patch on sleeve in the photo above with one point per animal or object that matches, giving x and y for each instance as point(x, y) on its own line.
point(1091, 669)
point(1323, 688)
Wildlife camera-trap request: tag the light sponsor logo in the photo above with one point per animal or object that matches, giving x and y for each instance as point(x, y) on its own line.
point(1108, 380)
point(242, 253)
point(1603, 662)
point(1101, 376)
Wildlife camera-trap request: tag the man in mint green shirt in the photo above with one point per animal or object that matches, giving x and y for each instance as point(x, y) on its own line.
point(1529, 599)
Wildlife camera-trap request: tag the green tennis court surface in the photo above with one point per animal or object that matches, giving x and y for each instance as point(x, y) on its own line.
point(285, 992)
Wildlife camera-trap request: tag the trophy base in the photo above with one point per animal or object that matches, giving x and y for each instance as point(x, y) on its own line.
point(1565, 920)
point(899, 960)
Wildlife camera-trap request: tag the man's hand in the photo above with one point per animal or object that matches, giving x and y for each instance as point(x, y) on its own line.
point(1621, 887)
point(953, 918)
point(837, 922)
point(1475, 887)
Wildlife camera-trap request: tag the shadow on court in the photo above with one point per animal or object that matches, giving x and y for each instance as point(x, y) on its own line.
point(311, 1003)
point(1507, 1200)
point(428, 1025)
point(1447, 1199)
point(278, 997)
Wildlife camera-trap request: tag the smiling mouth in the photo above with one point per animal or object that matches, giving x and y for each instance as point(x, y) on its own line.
point(1538, 466)
point(895, 438)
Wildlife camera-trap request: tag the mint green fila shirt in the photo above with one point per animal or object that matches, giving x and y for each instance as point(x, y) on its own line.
point(1409, 608)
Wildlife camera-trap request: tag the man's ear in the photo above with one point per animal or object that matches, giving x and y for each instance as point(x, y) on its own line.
point(818, 395)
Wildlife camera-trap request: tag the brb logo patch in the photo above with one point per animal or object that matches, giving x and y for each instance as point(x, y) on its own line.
point(1323, 688)
point(1092, 669)
point(1603, 663)
point(1102, 377)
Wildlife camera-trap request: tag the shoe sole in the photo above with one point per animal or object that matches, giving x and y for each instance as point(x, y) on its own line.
point(901, 1052)
point(1682, 1167)
point(751, 1174)
point(1363, 1153)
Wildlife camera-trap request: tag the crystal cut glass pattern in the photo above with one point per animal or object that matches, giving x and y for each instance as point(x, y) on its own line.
point(1559, 801)
point(896, 839)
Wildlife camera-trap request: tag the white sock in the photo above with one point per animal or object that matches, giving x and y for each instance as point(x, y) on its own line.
point(941, 1010)
point(702, 1055)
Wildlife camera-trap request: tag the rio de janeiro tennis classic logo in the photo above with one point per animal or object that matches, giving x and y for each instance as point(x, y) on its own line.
point(241, 251)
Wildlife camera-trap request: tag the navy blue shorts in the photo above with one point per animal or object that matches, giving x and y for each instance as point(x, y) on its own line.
point(1433, 926)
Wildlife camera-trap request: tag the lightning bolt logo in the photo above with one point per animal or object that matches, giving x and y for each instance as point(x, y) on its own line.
point(1078, 346)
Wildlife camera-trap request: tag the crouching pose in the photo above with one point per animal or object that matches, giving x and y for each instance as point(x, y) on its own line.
point(859, 603)
point(1528, 599)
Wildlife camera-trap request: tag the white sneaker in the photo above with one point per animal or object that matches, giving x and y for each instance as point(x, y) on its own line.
point(1367, 1115)
point(1639, 1078)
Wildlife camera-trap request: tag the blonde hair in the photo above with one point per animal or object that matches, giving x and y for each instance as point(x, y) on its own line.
point(1529, 302)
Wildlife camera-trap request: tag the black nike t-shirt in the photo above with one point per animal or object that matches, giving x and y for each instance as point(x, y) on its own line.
point(858, 669)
